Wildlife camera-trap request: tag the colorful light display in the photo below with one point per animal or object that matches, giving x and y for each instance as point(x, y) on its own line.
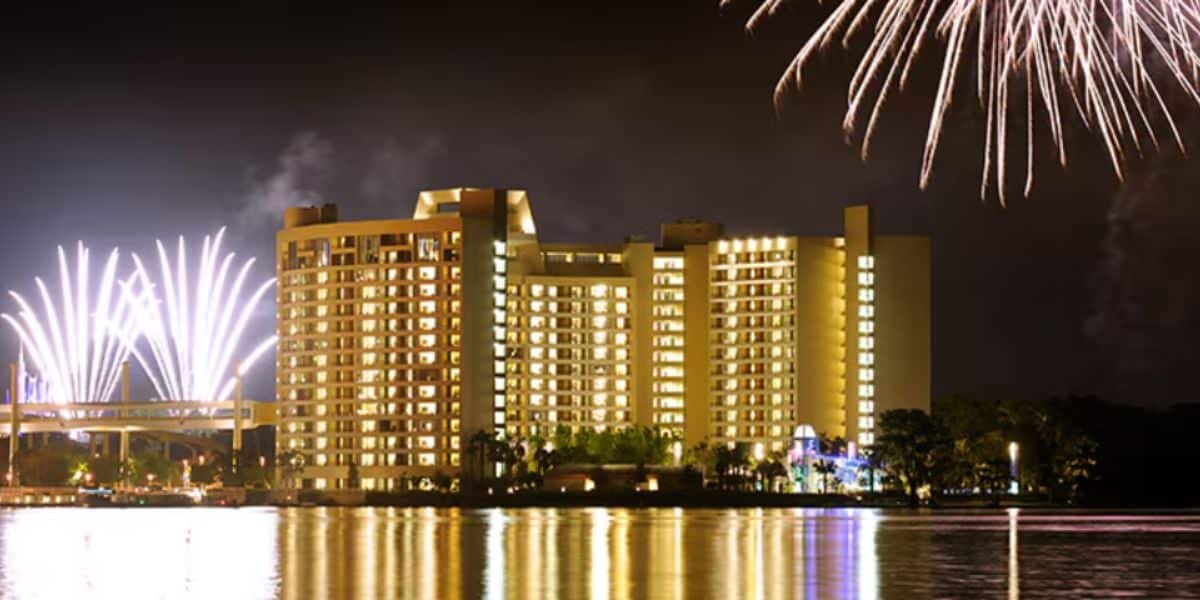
point(194, 326)
point(78, 342)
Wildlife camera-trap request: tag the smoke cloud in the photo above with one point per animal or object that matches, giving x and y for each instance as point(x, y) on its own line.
point(1147, 286)
point(301, 171)
point(395, 172)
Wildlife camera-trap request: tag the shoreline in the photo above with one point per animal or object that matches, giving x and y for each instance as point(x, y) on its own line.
point(699, 499)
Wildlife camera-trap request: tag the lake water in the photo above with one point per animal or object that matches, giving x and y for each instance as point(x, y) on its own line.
point(306, 553)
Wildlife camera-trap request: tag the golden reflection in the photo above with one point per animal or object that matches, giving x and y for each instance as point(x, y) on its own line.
point(494, 574)
point(732, 568)
point(756, 542)
point(677, 568)
point(429, 576)
point(1014, 570)
point(868, 556)
point(550, 574)
point(598, 558)
point(450, 554)
point(619, 547)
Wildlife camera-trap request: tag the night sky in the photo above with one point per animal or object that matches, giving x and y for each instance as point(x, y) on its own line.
point(122, 125)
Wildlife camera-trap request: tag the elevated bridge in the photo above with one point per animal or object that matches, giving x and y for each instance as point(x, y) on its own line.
point(126, 416)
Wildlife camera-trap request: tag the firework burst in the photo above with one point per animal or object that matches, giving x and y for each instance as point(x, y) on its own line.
point(1111, 62)
point(78, 342)
point(194, 327)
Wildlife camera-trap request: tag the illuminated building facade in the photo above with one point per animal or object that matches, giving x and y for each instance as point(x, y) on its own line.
point(400, 339)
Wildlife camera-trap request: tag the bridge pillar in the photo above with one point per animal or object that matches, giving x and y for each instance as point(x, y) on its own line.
point(237, 419)
point(14, 430)
point(124, 446)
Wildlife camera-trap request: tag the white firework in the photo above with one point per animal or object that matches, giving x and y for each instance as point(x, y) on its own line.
point(1111, 62)
point(78, 344)
point(194, 327)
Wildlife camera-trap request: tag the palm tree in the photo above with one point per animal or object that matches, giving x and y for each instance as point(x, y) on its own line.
point(544, 459)
point(291, 464)
point(826, 468)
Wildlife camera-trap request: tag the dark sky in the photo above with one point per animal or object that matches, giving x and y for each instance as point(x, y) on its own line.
point(139, 121)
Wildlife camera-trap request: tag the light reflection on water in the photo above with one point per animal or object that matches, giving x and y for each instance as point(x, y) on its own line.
point(596, 553)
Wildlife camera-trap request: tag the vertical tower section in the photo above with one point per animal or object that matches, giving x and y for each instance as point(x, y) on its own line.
point(820, 334)
point(752, 290)
point(494, 224)
point(369, 354)
point(861, 359)
point(697, 355)
point(902, 322)
point(571, 354)
point(638, 263)
point(667, 327)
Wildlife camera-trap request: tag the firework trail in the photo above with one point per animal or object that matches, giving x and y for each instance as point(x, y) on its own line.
point(194, 327)
point(77, 345)
point(1109, 62)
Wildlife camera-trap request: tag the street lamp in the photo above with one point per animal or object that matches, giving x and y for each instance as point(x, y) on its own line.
point(1014, 486)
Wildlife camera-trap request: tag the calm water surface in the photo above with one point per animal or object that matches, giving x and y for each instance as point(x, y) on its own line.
point(308, 553)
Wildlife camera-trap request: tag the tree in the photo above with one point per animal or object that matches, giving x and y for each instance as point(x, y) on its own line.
point(911, 444)
point(205, 473)
point(291, 464)
point(479, 445)
point(48, 466)
point(874, 465)
point(826, 469)
point(544, 459)
point(441, 481)
point(732, 464)
point(771, 470)
point(105, 469)
point(148, 466)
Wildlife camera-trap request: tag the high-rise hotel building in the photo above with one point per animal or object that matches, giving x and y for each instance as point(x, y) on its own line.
point(399, 339)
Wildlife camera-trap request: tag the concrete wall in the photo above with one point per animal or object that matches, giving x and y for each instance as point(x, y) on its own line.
point(903, 322)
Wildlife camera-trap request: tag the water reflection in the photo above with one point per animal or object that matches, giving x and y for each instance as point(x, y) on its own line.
point(138, 553)
point(596, 553)
point(590, 553)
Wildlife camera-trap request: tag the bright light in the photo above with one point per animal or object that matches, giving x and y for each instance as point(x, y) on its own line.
point(1110, 63)
point(79, 343)
point(193, 341)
